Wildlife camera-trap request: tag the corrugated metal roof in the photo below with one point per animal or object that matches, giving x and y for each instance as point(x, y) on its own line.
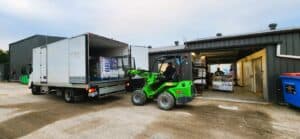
point(106, 41)
point(166, 48)
point(250, 34)
point(33, 36)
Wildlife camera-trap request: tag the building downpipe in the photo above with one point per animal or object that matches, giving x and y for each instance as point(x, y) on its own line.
point(278, 53)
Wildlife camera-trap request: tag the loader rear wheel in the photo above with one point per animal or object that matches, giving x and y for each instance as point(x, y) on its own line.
point(165, 101)
point(69, 95)
point(138, 98)
point(35, 90)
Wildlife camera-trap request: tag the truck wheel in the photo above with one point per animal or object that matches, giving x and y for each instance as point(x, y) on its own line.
point(69, 95)
point(35, 90)
point(138, 98)
point(165, 101)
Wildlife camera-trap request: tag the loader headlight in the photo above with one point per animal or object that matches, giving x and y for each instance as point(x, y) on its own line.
point(169, 84)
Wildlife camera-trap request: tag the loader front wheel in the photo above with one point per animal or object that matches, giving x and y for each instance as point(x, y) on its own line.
point(138, 98)
point(165, 101)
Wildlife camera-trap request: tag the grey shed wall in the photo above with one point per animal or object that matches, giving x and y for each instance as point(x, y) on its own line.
point(20, 52)
point(290, 45)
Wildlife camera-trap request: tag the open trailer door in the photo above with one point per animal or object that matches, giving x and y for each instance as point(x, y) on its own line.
point(77, 59)
point(140, 56)
point(139, 60)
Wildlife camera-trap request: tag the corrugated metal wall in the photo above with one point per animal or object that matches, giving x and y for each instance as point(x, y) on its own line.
point(290, 42)
point(290, 45)
point(21, 52)
point(276, 66)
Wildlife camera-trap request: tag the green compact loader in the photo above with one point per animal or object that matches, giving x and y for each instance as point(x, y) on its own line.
point(167, 92)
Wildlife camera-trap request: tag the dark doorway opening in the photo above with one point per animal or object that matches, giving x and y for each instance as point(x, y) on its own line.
point(239, 73)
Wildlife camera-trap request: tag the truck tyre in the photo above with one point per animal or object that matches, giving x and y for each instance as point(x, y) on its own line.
point(138, 98)
point(35, 90)
point(69, 95)
point(165, 101)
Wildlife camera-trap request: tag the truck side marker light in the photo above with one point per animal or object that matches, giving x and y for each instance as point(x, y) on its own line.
point(91, 90)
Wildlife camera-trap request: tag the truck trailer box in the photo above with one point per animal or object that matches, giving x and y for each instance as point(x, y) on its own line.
point(68, 67)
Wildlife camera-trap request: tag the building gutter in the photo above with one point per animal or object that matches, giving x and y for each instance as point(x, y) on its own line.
point(278, 53)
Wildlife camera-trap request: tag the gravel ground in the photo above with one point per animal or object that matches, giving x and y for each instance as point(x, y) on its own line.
point(23, 115)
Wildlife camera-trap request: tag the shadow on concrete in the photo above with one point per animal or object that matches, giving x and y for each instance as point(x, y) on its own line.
point(41, 114)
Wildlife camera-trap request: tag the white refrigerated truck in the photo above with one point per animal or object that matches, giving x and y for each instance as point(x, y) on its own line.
point(66, 67)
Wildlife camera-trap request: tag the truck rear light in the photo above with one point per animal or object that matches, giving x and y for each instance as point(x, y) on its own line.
point(92, 90)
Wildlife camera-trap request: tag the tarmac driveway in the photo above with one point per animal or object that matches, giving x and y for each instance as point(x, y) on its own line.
point(45, 116)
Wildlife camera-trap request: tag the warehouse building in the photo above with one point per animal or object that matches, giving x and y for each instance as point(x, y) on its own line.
point(20, 53)
point(250, 64)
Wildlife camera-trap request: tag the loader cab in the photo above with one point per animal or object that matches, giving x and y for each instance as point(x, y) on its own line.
point(176, 61)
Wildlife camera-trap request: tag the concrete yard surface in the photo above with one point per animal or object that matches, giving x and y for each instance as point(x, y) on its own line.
point(23, 115)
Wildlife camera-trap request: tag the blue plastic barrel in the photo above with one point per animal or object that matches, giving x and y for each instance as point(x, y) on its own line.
point(291, 88)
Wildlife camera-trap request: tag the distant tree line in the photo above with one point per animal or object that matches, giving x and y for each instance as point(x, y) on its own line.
point(4, 57)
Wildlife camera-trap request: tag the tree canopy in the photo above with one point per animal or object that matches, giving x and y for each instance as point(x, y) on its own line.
point(4, 58)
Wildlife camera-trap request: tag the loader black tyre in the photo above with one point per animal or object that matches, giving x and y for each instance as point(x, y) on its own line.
point(35, 90)
point(69, 95)
point(138, 98)
point(165, 101)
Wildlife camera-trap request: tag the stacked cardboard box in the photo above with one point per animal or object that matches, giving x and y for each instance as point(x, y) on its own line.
point(109, 68)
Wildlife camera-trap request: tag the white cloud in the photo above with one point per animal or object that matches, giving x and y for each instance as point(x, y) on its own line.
point(4, 38)
point(4, 43)
point(156, 22)
point(149, 21)
point(32, 9)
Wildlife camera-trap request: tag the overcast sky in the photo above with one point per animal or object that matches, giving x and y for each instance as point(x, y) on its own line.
point(142, 22)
